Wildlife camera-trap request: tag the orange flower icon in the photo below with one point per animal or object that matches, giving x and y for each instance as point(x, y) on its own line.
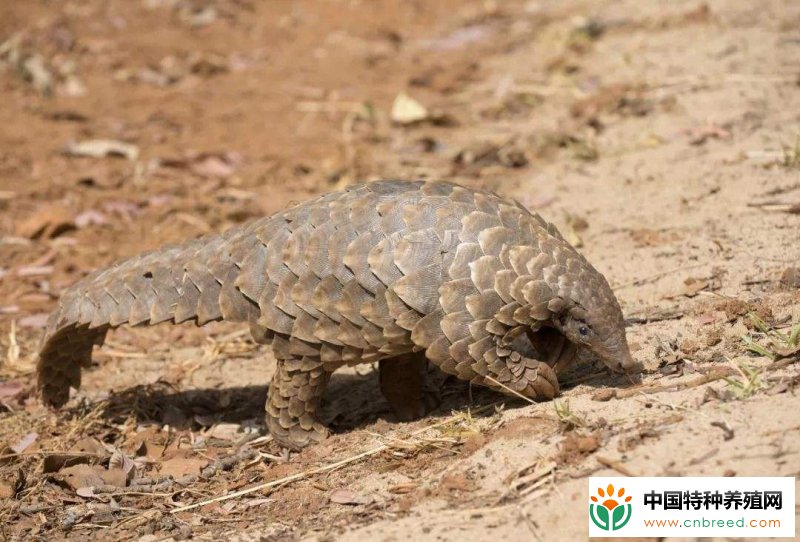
point(610, 503)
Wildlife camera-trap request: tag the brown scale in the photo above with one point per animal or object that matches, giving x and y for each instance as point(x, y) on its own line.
point(397, 272)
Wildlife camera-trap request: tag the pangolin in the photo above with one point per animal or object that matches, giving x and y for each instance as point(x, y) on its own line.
point(399, 272)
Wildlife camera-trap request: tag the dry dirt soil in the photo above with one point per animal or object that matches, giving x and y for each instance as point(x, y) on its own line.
point(662, 138)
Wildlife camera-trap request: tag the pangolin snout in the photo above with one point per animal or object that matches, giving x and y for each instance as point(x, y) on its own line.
point(630, 365)
point(614, 352)
point(620, 360)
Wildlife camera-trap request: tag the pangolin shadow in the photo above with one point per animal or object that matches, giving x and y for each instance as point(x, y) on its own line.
point(351, 402)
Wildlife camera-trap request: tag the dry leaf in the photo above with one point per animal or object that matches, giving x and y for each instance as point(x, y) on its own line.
point(120, 461)
point(115, 477)
point(345, 496)
point(84, 476)
point(85, 451)
point(178, 467)
point(85, 492)
point(90, 445)
point(101, 148)
point(406, 110)
point(78, 476)
point(24, 443)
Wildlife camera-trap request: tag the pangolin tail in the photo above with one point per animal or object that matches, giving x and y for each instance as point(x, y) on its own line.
point(193, 281)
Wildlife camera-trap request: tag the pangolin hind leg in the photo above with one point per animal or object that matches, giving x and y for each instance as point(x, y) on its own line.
point(404, 383)
point(294, 400)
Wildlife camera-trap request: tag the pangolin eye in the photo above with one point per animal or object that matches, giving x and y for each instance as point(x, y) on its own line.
point(583, 330)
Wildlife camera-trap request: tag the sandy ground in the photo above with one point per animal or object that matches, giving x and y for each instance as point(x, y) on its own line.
point(662, 138)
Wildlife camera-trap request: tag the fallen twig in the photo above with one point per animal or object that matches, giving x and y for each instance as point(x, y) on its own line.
point(616, 465)
point(657, 388)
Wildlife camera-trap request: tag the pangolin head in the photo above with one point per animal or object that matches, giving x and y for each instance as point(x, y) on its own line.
point(590, 316)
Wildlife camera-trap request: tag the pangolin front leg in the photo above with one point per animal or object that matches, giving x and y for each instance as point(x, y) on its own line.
point(541, 378)
point(406, 386)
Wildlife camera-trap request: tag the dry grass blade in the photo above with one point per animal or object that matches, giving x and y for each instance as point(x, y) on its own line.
point(528, 479)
